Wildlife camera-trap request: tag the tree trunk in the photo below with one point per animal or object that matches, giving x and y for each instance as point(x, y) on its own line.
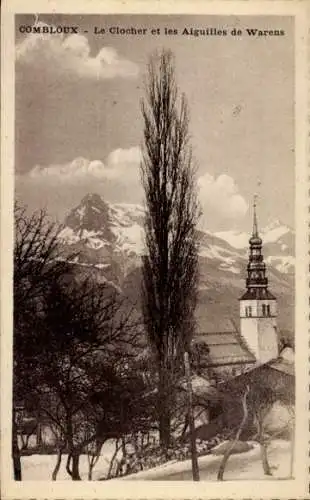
point(15, 452)
point(185, 427)
point(195, 467)
point(58, 463)
point(74, 454)
point(73, 459)
point(93, 458)
point(91, 465)
point(117, 447)
point(227, 453)
point(75, 467)
point(39, 434)
point(164, 411)
point(164, 428)
point(259, 417)
point(264, 457)
point(68, 464)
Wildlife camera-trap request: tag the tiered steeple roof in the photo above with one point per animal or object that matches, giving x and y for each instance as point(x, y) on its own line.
point(256, 281)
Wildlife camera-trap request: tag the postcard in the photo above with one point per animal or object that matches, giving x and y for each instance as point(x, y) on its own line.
point(154, 260)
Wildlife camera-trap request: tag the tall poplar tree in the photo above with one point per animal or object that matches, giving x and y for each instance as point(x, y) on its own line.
point(170, 266)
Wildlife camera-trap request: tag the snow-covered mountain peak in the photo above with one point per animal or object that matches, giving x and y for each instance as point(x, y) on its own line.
point(126, 213)
point(91, 214)
point(274, 230)
point(96, 224)
point(272, 224)
point(93, 199)
point(271, 233)
point(115, 231)
point(236, 239)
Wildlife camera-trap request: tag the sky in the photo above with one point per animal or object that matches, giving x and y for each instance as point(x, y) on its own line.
point(79, 126)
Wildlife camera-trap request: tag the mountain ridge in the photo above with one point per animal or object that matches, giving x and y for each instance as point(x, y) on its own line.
point(109, 239)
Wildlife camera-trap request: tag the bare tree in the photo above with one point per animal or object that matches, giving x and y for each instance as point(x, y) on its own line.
point(36, 260)
point(261, 404)
point(61, 444)
point(261, 387)
point(85, 342)
point(265, 392)
point(232, 444)
point(74, 346)
point(93, 454)
point(170, 268)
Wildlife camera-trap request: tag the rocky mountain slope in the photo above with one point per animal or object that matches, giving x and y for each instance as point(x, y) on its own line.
point(108, 240)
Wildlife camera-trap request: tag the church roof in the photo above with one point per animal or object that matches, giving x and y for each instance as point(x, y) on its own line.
point(277, 374)
point(225, 348)
point(257, 294)
point(282, 365)
point(206, 322)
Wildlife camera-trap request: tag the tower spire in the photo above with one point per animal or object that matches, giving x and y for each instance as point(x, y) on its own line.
point(257, 281)
point(255, 225)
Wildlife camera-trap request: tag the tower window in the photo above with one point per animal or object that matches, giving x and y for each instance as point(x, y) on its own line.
point(264, 310)
point(250, 311)
point(268, 310)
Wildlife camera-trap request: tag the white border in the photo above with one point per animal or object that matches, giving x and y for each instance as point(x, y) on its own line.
point(281, 489)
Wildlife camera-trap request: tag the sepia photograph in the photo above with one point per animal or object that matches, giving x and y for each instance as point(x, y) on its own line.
point(154, 277)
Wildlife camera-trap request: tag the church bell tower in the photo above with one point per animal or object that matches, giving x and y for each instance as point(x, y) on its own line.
point(258, 307)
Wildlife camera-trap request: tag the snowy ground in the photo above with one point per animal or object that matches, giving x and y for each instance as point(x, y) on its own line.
point(40, 467)
point(242, 466)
